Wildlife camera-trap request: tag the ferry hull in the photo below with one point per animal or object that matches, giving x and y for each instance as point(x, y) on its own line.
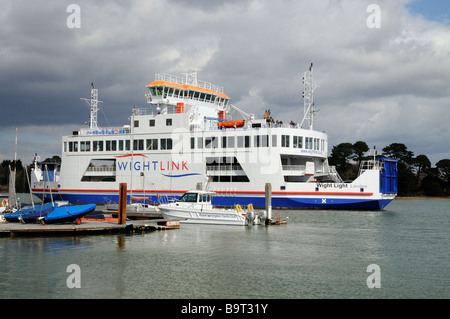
point(278, 202)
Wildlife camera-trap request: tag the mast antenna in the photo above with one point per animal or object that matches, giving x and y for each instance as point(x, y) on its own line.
point(93, 105)
point(308, 97)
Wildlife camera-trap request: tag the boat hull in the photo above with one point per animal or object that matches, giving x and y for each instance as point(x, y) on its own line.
point(193, 216)
point(30, 214)
point(67, 213)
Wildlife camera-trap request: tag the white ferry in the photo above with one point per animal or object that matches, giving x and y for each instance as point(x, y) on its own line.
point(191, 136)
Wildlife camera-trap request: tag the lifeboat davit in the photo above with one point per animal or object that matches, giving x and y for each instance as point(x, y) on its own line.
point(239, 123)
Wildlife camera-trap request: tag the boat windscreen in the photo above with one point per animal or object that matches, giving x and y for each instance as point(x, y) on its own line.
point(188, 197)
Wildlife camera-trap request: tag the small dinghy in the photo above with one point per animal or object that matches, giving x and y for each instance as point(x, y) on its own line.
point(29, 214)
point(67, 213)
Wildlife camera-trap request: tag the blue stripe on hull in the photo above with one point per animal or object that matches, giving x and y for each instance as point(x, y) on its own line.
point(281, 202)
point(305, 203)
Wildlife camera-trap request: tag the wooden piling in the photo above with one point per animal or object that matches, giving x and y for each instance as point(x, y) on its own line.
point(268, 196)
point(122, 203)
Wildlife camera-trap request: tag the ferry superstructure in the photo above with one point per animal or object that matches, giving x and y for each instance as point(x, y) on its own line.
point(185, 139)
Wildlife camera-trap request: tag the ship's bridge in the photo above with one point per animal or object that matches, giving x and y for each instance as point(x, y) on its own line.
point(170, 89)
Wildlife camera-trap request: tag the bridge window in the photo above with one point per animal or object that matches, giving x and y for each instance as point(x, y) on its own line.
point(297, 142)
point(285, 140)
point(274, 140)
point(85, 146)
point(97, 146)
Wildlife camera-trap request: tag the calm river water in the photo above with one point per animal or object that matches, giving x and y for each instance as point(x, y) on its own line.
point(318, 254)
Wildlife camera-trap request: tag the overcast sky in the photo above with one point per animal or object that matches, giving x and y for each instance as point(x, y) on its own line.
point(380, 85)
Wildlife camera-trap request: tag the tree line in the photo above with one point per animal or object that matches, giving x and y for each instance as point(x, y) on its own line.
point(416, 175)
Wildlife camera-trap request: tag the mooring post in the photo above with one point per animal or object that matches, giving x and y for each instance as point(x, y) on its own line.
point(269, 202)
point(122, 203)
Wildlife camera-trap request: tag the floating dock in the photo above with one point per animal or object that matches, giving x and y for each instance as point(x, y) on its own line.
point(86, 227)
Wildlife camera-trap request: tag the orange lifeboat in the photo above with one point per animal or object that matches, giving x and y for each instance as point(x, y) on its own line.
point(228, 124)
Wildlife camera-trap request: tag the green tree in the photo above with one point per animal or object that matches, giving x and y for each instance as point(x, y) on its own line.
point(54, 159)
point(359, 149)
point(420, 164)
point(443, 167)
point(431, 184)
point(400, 152)
point(340, 155)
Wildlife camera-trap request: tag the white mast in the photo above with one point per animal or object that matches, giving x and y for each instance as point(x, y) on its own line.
point(93, 104)
point(308, 97)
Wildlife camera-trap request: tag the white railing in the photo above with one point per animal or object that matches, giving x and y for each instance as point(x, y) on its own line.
point(185, 81)
point(368, 165)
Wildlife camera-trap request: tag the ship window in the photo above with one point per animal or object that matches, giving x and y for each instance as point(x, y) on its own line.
point(274, 140)
point(208, 142)
point(65, 147)
point(127, 145)
point(85, 146)
point(151, 123)
point(243, 141)
point(224, 141)
point(97, 146)
point(300, 142)
point(316, 144)
point(166, 143)
point(230, 142)
point(200, 142)
point(285, 140)
point(257, 141)
point(297, 142)
point(265, 140)
point(152, 144)
point(136, 123)
point(108, 146)
point(240, 179)
point(138, 145)
point(168, 122)
point(247, 141)
point(152, 91)
point(240, 141)
point(215, 142)
point(308, 143)
point(192, 143)
point(120, 145)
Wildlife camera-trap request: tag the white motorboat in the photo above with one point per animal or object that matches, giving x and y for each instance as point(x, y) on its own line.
point(195, 207)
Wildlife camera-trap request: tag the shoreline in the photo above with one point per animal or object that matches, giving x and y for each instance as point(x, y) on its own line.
point(420, 198)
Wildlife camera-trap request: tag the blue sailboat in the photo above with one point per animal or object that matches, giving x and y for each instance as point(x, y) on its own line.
point(30, 214)
point(66, 213)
